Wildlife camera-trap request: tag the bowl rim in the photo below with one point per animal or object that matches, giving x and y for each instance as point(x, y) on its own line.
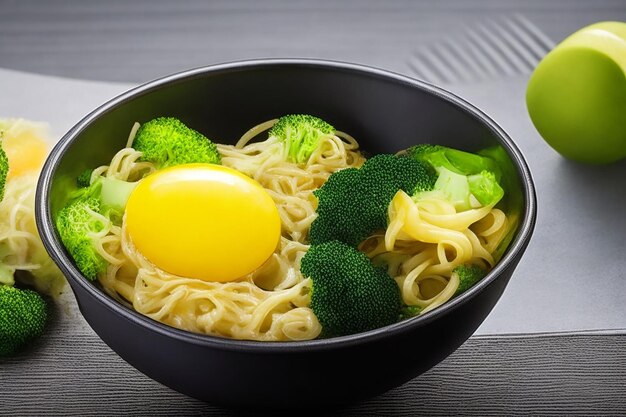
point(55, 248)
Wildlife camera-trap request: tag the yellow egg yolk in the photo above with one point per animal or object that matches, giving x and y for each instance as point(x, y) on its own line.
point(203, 221)
point(25, 151)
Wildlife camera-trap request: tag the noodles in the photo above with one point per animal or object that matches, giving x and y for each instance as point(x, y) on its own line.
point(271, 303)
point(426, 240)
point(22, 254)
point(422, 245)
point(291, 185)
point(21, 248)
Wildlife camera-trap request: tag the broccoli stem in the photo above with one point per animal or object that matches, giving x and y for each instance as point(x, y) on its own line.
point(115, 193)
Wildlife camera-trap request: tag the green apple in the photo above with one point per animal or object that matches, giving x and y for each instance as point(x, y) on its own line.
point(576, 96)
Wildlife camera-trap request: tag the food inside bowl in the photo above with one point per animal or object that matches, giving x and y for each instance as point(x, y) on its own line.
point(290, 234)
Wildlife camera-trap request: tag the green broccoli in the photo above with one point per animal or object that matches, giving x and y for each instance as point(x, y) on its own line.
point(409, 311)
point(455, 160)
point(493, 159)
point(4, 170)
point(507, 174)
point(465, 179)
point(75, 223)
point(23, 317)
point(353, 203)
point(114, 195)
point(468, 276)
point(465, 192)
point(84, 179)
point(301, 134)
point(485, 188)
point(166, 141)
point(349, 295)
point(78, 220)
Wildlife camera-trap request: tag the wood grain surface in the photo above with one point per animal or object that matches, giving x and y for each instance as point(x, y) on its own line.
point(71, 372)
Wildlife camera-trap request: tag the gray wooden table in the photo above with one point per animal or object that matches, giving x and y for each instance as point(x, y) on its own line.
point(468, 46)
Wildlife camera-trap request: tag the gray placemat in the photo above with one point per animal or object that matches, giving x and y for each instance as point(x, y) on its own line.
point(571, 277)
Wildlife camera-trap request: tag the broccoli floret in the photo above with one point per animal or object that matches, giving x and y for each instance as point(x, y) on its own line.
point(75, 223)
point(465, 179)
point(449, 186)
point(84, 179)
point(352, 203)
point(4, 170)
point(465, 192)
point(409, 311)
point(349, 295)
point(23, 316)
point(468, 276)
point(485, 188)
point(166, 141)
point(78, 220)
point(506, 173)
point(301, 134)
point(457, 161)
point(114, 195)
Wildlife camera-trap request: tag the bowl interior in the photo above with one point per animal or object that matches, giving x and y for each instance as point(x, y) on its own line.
point(383, 111)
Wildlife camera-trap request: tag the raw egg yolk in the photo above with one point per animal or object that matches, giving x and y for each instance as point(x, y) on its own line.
point(203, 221)
point(25, 151)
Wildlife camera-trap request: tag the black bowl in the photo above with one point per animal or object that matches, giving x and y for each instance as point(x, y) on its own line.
point(386, 112)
